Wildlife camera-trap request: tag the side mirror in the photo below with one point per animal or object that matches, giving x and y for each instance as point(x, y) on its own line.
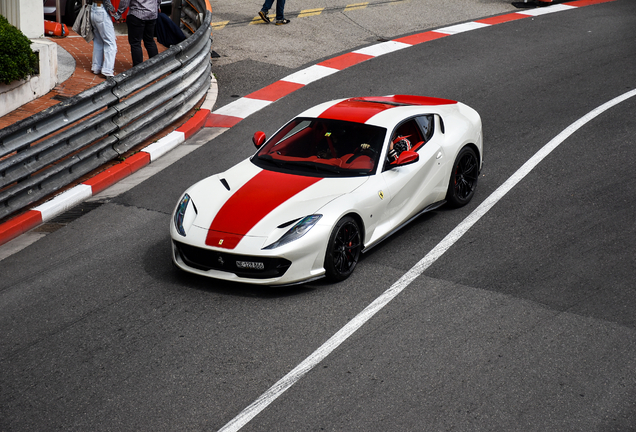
point(407, 157)
point(258, 139)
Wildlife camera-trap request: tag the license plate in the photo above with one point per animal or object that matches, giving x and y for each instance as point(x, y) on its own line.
point(251, 265)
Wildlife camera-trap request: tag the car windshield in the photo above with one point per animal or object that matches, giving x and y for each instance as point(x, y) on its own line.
point(323, 147)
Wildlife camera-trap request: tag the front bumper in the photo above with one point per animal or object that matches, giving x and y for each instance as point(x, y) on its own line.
point(243, 266)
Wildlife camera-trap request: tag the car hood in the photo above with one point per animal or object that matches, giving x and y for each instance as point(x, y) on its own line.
point(249, 201)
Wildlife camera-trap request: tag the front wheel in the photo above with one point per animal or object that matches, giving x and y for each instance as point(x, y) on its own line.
point(343, 249)
point(463, 180)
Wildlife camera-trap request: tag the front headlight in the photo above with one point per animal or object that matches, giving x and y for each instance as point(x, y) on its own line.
point(296, 232)
point(184, 214)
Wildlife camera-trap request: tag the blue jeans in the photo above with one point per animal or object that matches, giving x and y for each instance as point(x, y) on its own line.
point(280, 8)
point(104, 42)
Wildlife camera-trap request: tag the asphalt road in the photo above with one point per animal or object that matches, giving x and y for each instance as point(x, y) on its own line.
point(253, 54)
point(528, 321)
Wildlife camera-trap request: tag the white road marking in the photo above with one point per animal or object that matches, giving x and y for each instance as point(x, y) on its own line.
point(64, 201)
point(343, 334)
point(164, 145)
point(243, 107)
point(461, 28)
point(546, 10)
point(382, 48)
point(310, 74)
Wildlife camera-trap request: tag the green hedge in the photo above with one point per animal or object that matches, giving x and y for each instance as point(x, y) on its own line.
point(17, 59)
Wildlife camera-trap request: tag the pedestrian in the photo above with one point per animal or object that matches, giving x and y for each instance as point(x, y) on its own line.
point(280, 12)
point(141, 21)
point(104, 42)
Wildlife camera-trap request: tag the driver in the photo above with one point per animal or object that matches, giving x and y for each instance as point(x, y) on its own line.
point(398, 145)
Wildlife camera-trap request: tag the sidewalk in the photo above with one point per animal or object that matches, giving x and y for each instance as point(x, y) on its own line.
point(82, 78)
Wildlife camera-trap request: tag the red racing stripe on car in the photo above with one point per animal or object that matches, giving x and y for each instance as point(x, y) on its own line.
point(363, 108)
point(409, 100)
point(354, 110)
point(251, 203)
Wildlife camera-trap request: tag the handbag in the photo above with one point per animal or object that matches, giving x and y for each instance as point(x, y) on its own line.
point(82, 25)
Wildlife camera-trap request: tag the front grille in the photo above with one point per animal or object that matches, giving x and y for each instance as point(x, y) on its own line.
point(205, 259)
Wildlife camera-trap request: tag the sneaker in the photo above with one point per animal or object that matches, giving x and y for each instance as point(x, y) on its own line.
point(281, 22)
point(107, 75)
point(264, 16)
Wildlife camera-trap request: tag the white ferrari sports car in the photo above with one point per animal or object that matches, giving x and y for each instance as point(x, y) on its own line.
point(327, 186)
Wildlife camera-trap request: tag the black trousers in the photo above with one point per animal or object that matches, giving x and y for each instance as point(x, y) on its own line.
point(139, 30)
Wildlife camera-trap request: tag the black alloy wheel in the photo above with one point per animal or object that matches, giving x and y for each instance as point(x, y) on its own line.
point(343, 249)
point(463, 180)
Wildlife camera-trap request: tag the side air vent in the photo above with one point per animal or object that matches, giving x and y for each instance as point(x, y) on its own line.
point(224, 182)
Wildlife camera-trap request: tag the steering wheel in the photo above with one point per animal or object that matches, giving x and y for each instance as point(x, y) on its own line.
point(360, 150)
point(364, 147)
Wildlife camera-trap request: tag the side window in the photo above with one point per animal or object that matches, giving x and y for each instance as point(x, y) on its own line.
point(407, 136)
point(410, 131)
point(427, 124)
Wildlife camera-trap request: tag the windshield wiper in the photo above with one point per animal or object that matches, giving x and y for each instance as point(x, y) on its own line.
point(268, 158)
point(323, 167)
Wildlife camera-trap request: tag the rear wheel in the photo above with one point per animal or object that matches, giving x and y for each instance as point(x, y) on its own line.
point(343, 249)
point(463, 180)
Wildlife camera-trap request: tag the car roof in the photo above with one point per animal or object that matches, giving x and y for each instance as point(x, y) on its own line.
point(362, 109)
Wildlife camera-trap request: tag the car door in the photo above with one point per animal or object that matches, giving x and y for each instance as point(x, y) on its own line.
point(413, 187)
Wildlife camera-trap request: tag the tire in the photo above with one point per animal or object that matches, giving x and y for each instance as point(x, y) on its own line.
point(343, 249)
point(463, 179)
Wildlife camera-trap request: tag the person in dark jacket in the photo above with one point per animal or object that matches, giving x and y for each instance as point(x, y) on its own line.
point(141, 21)
point(168, 33)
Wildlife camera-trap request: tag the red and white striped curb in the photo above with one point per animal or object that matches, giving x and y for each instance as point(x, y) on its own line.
point(233, 113)
point(236, 111)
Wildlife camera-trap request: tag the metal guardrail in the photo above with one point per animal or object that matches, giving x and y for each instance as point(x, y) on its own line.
point(49, 150)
